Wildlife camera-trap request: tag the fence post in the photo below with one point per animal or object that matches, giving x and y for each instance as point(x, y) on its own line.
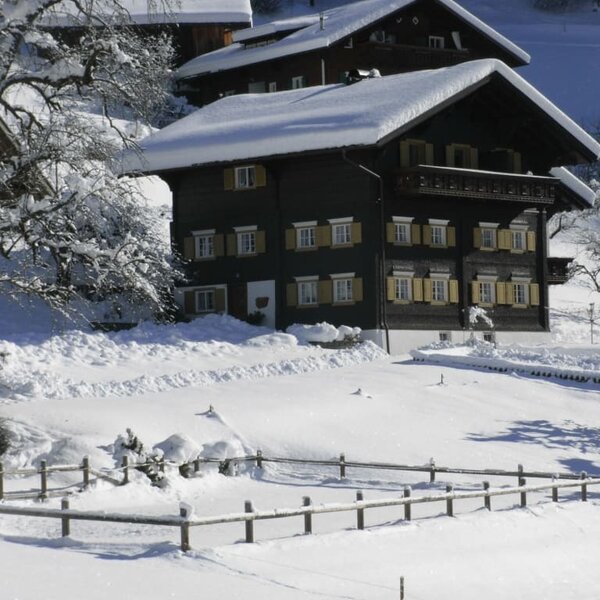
point(85, 471)
point(449, 506)
point(259, 459)
point(125, 465)
point(432, 471)
point(342, 466)
point(307, 516)
point(407, 492)
point(520, 475)
point(1, 481)
point(583, 487)
point(161, 464)
point(554, 491)
point(249, 524)
point(66, 524)
point(184, 513)
point(487, 501)
point(360, 512)
point(43, 479)
point(196, 465)
point(522, 483)
point(402, 588)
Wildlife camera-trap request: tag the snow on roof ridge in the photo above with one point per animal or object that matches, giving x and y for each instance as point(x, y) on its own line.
point(243, 35)
point(323, 118)
point(574, 184)
point(340, 22)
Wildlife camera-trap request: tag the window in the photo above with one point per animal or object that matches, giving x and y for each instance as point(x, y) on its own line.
point(305, 237)
point(489, 337)
point(402, 233)
point(272, 86)
point(486, 292)
point(342, 234)
point(519, 293)
point(256, 87)
point(205, 301)
point(403, 289)
point(439, 290)
point(342, 290)
point(246, 242)
point(298, 82)
point(436, 41)
point(245, 177)
point(488, 239)
point(517, 240)
point(438, 235)
point(416, 152)
point(205, 246)
point(228, 93)
point(462, 156)
point(349, 43)
point(445, 336)
point(307, 293)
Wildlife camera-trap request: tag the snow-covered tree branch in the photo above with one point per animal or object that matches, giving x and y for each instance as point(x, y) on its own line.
point(70, 99)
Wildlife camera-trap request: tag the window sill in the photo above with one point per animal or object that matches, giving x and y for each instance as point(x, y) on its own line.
point(439, 303)
point(401, 302)
point(306, 249)
point(404, 244)
point(247, 255)
point(336, 246)
point(519, 306)
point(307, 306)
point(515, 251)
point(344, 303)
point(204, 258)
point(485, 249)
point(486, 304)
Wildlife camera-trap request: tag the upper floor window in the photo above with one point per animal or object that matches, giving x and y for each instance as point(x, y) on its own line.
point(439, 290)
point(205, 247)
point(462, 156)
point(402, 233)
point(438, 235)
point(299, 81)
point(403, 289)
point(436, 41)
point(245, 177)
point(307, 292)
point(415, 152)
point(246, 242)
point(342, 234)
point(342, 290)
point(517, 238)
point(519, 294)
point(306, 237)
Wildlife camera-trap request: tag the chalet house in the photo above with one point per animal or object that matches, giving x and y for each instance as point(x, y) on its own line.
point(393, 204)
point(197, 26)
point(393, 36)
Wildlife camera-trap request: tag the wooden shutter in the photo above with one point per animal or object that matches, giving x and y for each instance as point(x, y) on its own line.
point(323, 235)
point(229, 179)
point(531, 241)
point(220, 300)
point(404, 154)
point(450, 155)
point(357, 289)
point(474, 158)
point(290, 239)
point(504, 241)
point(450, 237)
point(189, 248)
point(390, 232)
point(417, 285)
point(534, 294)
point(261, 242)
point(510, 293)
point(427, 235)
point(477, 237)
point(415, 234)
point(517, 163)
point(261, 175)
point(189, 303)
point(453, 291)
point(391, 289)
point(501, 293)
point(219, 244)
point(475, 299)
point(356, 234)
point(429, 156)
point(325, 292)
point(427, 290)
point(292, 294)
point(231, 244)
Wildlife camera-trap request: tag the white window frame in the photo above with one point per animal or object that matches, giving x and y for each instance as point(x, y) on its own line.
point(437, 41)
point(491, 286)
point(308, 288)
point(488, 238)
point(245, 177)
point(272, 86)
point(343, 231)
point(518, 234)
point(343, 288)
point(207, 294)
point(205, 245)
point(298, 82)
point(246, 242)
point(442, 231)
point(309, 232)
point(398, 282)
point(520, 285)
point(402, 230)
point(438, 284)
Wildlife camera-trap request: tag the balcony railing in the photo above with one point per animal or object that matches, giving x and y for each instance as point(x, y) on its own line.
point(558, 270)
point(416, 56)
point(482, 185)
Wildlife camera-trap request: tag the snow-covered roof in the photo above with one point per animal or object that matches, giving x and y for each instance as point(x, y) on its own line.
point(573, 183)
point(179, 11)
point(250, 126)
point(243, 35)
point(338, 23)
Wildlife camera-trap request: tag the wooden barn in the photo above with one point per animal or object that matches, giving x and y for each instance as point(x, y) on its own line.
point(392, 36)
point(399, 204)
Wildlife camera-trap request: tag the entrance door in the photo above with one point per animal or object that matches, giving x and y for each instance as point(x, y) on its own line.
point(238, 301)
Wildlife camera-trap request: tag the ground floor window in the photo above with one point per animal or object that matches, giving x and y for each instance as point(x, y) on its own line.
point(519, 293)
point(307, 293)
point(486, 292)
point(342, 290)
point(205, 301)
point(439, 290)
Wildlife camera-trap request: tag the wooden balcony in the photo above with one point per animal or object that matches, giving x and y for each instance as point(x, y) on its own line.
point(479, 185)
point(558, 270)
point(414, 57)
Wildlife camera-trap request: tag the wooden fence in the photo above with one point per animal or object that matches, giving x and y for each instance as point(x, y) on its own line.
point(186, 520)
point(120, 476)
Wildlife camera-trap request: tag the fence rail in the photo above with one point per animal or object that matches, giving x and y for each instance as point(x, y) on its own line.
point(185, 520)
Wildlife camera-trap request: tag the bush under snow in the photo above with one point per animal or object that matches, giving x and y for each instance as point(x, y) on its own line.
point(323, 332)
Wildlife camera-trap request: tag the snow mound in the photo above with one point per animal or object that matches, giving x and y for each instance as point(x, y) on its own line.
point(322, 332)
point(178, 448)
point(223, 449)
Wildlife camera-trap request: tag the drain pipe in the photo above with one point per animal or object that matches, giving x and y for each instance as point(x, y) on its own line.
point(382, 284)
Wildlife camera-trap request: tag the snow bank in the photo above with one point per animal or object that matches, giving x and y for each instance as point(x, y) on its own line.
point(322, 332)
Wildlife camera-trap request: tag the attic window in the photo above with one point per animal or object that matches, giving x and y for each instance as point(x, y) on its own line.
point(436, 41)
point(245, 177)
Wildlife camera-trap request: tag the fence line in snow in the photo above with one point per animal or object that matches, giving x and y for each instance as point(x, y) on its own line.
point(186, 520)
